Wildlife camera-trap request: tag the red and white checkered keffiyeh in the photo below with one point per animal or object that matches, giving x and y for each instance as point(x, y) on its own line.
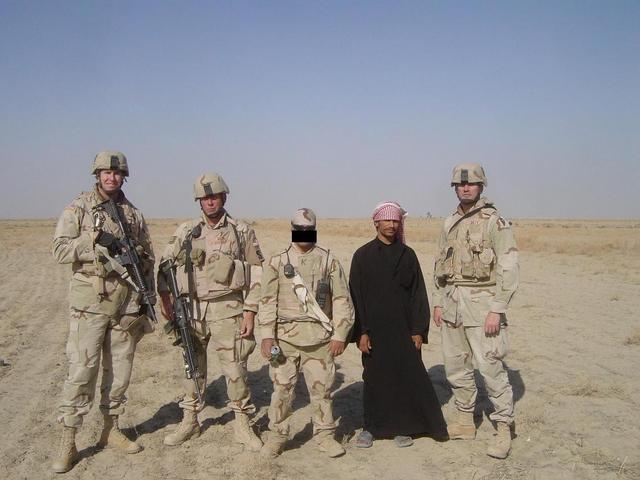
point(391, 211)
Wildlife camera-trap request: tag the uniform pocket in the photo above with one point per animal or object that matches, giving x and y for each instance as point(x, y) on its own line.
point(467, 264)
point(482, 263)
point(498, 345)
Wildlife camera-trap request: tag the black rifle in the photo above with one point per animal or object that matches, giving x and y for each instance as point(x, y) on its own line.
point(127, 256)
point(181, 322)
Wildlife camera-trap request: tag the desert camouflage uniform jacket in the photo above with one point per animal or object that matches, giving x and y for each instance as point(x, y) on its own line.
point(227, 264)
point(284, 317)
point(95, 287)
point(477, 250)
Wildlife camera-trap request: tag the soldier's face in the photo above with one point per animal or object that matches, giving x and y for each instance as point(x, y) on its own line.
point(212, 205)
point(387, 228)
point(110, 180)
point(469, 192)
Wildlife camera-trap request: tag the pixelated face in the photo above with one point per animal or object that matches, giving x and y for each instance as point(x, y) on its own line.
point(110, 181)
point(468, 193)
point(212, 205)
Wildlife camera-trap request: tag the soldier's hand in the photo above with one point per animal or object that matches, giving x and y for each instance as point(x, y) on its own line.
point(364, 343)
point(265, 347)
point(336, 347)
point(246, 328)
point(107, 240)
point(437, 316)
point(492, 324)
point(166, 306)
point(417, 341)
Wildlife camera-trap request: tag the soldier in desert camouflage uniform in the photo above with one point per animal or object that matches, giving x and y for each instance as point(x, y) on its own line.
point(227, 266)
point(106, 317)
point(476, 275)
point(306, 311)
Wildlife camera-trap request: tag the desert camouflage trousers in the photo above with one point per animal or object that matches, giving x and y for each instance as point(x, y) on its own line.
point(94, 336)
point(232, 352)
point(318, 366)
point(467, 346)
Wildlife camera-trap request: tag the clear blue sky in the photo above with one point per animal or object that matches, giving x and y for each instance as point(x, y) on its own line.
point(334, 105)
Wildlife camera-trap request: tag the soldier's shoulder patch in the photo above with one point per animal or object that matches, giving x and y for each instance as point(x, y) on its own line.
point(72, 207)
point(79, 202)
point(503, 223)
point(242, 226)
point(172, 239)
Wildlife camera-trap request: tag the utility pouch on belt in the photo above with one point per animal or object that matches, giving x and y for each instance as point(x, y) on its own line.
point(444, 265)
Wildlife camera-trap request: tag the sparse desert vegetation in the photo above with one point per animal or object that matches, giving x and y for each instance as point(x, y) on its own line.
point(573, 364)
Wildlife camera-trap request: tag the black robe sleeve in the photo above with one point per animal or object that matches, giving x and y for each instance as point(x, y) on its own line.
point(419, 310)
point(355, 286)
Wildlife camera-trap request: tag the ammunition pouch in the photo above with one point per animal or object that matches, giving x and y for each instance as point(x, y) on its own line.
point(197, 257)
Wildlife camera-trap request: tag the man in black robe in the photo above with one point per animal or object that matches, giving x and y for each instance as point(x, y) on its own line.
point(392, 322)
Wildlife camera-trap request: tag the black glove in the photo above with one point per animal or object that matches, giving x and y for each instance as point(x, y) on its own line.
point(108, 241)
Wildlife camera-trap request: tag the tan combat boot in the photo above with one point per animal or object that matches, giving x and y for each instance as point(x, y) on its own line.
point(113, 437)
point(328, 444)
point(274, 445)
point(188, 428)
point(244, 434)
point(67, 453)
point(502, 441)
point(462, 427)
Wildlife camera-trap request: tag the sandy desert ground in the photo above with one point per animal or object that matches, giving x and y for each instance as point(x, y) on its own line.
point(575, 338)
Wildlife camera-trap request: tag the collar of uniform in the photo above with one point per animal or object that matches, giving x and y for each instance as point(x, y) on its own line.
point(300, 252)
point(221, 223)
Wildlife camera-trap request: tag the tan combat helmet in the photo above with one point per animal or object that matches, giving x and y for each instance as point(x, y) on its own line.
point(209, 184)
point(303, 219)
point(468, 173)
point(110, 160)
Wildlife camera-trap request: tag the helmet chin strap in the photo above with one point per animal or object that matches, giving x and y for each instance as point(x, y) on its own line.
point(214, 218)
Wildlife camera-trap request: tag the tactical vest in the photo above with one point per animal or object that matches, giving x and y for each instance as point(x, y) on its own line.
point(95, 286)
point(312, 269)
point(468, 256)
point(222, 269)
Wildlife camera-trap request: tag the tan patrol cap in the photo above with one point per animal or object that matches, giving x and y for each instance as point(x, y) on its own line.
point(468, 173)
point(110, 160)
point(304, 218)
point(209, 184)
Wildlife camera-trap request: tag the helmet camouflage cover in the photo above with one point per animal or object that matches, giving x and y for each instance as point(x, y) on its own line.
point(468, 173)
point(209, 184)
point(110, 160)
point(304, 218)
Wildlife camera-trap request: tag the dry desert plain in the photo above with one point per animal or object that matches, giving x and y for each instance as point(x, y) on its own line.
point(575, 352)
